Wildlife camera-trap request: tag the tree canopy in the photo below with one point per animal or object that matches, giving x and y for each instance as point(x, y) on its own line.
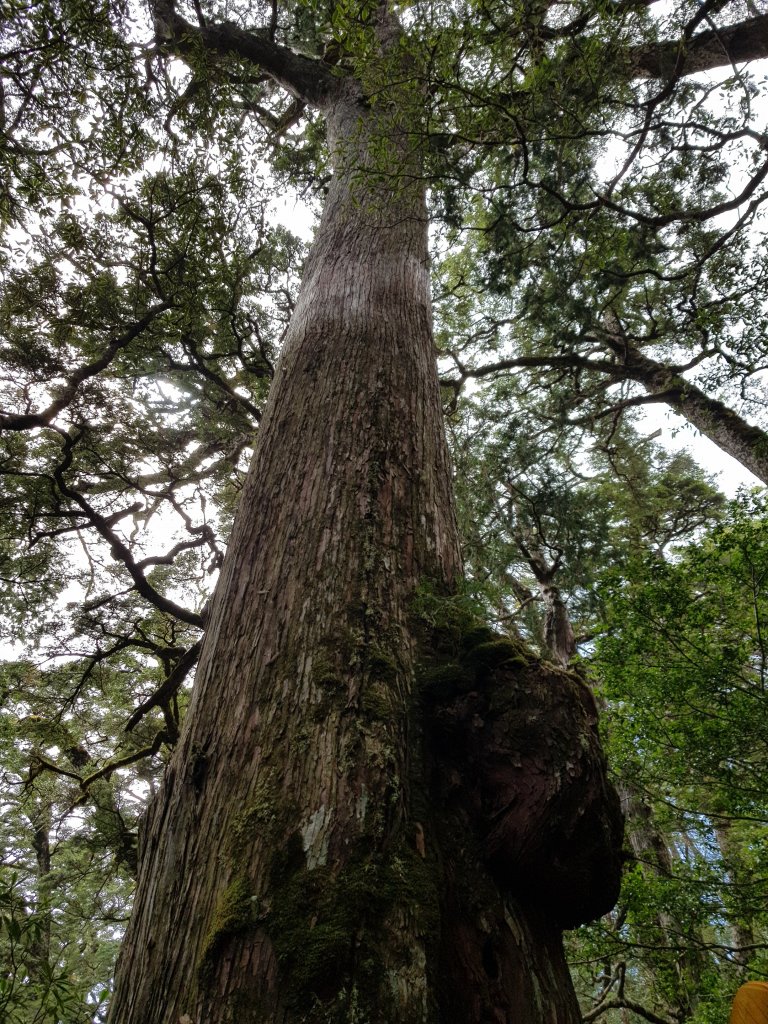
point(596, 178)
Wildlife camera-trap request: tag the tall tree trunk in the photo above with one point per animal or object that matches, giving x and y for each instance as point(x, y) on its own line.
point(40, 815)
point(652, 853)
point(292, 867)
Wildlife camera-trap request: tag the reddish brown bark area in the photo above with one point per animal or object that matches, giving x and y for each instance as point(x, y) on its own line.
point(521, 757)
point(528, 826)
point(295, 749)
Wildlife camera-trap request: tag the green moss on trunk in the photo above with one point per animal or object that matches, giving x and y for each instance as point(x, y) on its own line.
point(330, 930)
point(234, 914)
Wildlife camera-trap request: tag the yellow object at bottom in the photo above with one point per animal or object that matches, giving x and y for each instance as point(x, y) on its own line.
point(750, 1004)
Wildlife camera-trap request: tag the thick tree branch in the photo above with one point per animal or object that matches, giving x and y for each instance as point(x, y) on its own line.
point(120, 551)
point(625, 1004)
point(663, 383)
point(569, 361)
point(715, 48)
point(306, 78)
point(724, 427)
point(158, 740)
point(200, 364)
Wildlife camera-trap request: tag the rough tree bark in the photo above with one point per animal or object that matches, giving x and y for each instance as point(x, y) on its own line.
point(40, 816)
point(319, 852)
point(735, 44)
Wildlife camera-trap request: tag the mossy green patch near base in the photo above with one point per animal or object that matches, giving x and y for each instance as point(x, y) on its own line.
point(458, 650)
point(501, 650)
point(234, 913)
point(328, 929)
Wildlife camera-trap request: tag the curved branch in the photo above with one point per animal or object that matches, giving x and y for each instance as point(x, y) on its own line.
point(120, 551)
point(168, 687)
point(159, 739)
point(731, 433)
point(690, 216)
point(27, 421)
point(306, 78)
point(569, 361)
point(724, 427)
point(625, 1004)
point(199, 364)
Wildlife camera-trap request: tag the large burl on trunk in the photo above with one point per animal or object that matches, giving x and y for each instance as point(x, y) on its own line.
point(322, 850)
point(519, 756)
point(528, 826)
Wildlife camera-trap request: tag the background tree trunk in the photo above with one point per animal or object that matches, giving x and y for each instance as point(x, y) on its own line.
point(741, 925)
point(289, 870)
point(40, 815)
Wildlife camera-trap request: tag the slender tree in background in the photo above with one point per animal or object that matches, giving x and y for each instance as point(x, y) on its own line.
point(688, 637)
point(354, 822)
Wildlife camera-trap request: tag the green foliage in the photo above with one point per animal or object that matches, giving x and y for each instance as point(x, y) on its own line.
point(689, 636)
point(31, 988)
point(682, 665)
point(65, 876)
point(535, 498)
